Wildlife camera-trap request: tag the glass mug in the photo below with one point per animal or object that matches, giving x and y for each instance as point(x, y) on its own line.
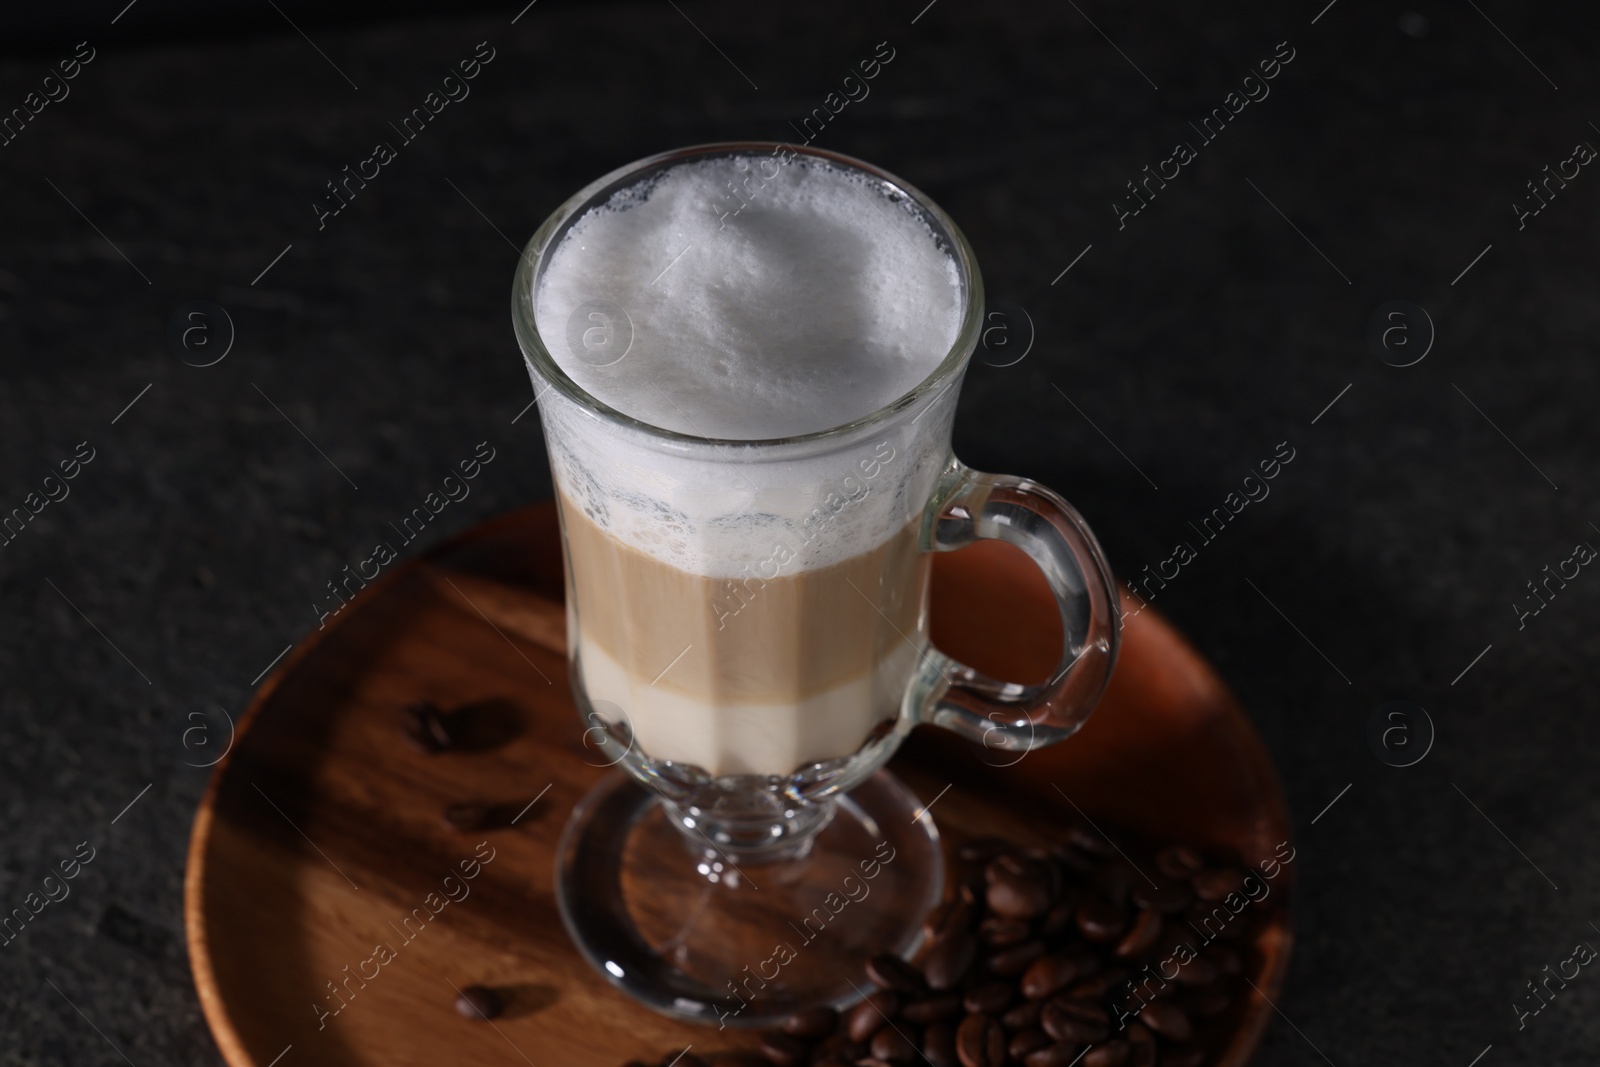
point(747, 625)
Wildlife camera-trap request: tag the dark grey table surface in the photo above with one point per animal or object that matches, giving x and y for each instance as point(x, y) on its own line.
point(1185, 343)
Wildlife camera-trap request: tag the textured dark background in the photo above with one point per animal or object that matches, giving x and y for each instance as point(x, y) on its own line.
point(1196, 339)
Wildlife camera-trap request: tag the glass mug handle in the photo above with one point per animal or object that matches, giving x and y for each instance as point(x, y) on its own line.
point(1009, 716)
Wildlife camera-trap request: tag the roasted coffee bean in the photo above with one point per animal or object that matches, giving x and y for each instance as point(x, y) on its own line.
point(1113, 1053)
point(1090, 840)
point(1217, 883)
point(1014, 960)
point(1098, 985)
point(785, 1050)
point(888, 971)
point(989, 998)
point(1168, 1020)
point(468, 816)
point(1025, 1041)
point(479, 1002)
point(1197, 972)
point(426, 727)
point(954, 914)
point(980, 1042)
point(1062, 915)
point(872, 1014)
point(813, 1024)
point(1017, 891)
point(999, 932)
point(973, 888)
point(1139, 940)
point(1167, 899)
point(931, 1009)
point(1141, 1046)
point(939, 1044)
point(950, 959)
point(1099, 920)
point(1082, 1021)
point(1179, 861)
point(1024, 1016)
point(1080, 1008)
point(983, 849)
point(1048, 975)
point(1182, 1057)
point(1061, 1054)
point(892, 1046)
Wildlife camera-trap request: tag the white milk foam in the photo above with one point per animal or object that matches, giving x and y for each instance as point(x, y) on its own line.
point(818, 302)
point(821, 300)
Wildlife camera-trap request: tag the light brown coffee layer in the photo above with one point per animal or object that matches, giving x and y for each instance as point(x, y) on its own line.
point(746, 641)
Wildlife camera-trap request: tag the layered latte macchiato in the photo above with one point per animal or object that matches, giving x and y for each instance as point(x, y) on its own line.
point(748, 611)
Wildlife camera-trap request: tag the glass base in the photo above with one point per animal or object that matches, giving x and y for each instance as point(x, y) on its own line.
point(733, 938)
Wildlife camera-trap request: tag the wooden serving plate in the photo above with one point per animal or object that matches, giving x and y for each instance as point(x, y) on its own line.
point(322, 830)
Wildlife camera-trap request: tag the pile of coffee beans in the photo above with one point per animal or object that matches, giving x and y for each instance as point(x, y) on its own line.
point(1046, 957)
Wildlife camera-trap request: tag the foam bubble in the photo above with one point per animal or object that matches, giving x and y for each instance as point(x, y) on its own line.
point(810, 300)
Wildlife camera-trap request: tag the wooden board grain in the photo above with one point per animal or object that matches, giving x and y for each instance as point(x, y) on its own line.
point(329, 916)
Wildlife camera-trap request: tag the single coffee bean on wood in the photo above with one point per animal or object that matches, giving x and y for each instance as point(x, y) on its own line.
point(999, 932)
point(892, 1046)
point(888, 971)
point(1060, 1054)
point(1179, 861)
point(812, 1024)
point(1016, 959)
point(932, 1008)
point(1168, 1020)
point(1099, 920)
point(1049, 974)
point(479, 1002)
point(950, 959)
point(1215, 884)
point(1139, 940)
point(872, 1014)
point(990, 997)
point(980, 1042)
point(1017, 890)
point(1025, 1041)
point(1023, 1016)
point(939, 1044)
point(425, 725)
point(785, 1050)
point(1113, 1053)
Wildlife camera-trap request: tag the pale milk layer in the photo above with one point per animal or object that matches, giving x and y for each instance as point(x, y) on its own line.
point(752, 737)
